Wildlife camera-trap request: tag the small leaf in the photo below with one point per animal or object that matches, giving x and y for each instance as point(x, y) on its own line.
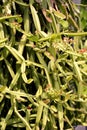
point(59, 14)
point(53, 108)
point(28, 81)
point(33, 38)
point(64, 23)
point(39, 91)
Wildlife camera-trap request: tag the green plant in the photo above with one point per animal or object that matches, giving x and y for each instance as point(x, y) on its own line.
point(43, 78)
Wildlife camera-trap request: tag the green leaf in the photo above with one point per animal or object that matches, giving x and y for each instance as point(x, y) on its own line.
point(33, 38)
point(21, 3)
point(15, 53)
point(39, 92)
point(64, 23)
point(10, 69)
point(53, 108)
point(18, 17)
point(28, 81)
point(59, 14)
point(15, 79)
point(77, 71)
point(35, 18)
point(1, 32)
point(23, 67)
point(60, 116)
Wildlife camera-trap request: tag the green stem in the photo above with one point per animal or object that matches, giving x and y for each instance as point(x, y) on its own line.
point(18, 114)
